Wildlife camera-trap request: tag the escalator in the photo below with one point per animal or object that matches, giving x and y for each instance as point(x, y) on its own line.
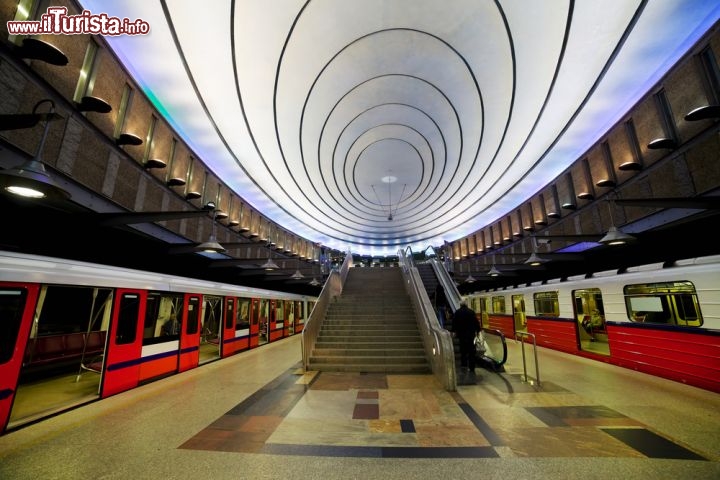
point(492, 347)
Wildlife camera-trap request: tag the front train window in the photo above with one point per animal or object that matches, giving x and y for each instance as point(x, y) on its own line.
point(670, 303)
point(546, 304)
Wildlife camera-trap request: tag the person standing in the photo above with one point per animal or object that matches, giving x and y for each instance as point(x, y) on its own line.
point(441, 304)
point(466, 327)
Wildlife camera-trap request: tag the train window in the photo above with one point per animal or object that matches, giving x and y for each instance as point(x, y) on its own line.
point(12, 303)
point(193, 316)
point(546, 304)
point(163, 317)
point(673, 303)
point(230, 313)
point(498, 304)
point(66, 310)
point(127, 319)
point(588, 302)
point(688, 310)
point(243, 318)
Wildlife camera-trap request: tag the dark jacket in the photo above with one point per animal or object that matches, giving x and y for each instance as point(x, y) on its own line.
point(465, 323)
point(440, 299)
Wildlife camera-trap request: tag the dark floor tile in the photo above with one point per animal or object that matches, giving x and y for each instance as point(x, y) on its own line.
point(556, 416)
point(492, 437)
point(650, 444)
point(407, 426)
point(364, 411)
point(368, 395)
point(322, 450)
point(439, 452)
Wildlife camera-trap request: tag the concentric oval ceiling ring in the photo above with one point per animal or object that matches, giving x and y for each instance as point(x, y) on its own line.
point(554, 77)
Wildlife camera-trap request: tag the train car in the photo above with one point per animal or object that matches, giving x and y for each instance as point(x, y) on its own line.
point(662, 319)
point(73, 332)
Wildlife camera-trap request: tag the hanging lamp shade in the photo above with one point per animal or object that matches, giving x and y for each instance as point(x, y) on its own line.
point(615, 236)
point(269, 265)
point(31, 180)
point(211, 246)
point(535, 260)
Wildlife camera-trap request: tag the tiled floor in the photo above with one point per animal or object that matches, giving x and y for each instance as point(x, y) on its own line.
point(378, 415)
point(258, 415)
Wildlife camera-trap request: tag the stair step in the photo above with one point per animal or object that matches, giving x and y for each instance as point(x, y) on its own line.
point(369, 360)
point(418, 351)
point(367, 345)
point(374, 368)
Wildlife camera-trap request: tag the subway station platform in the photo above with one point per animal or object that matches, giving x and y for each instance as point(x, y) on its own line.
point(258, 415)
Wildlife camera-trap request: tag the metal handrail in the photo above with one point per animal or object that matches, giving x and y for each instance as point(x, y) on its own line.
point(332, 288)
point(448, 283)
point(522, 342)
point(437, 341)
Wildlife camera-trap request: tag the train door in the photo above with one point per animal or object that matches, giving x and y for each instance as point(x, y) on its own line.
point(227, 338)
point(211, 328)
point(264, 321)
point(590, 318)
point(63, 356)
point(519, 317)
point(16, 318)
point(484, 309)
point(190, 333)
point(299, 316)
point(277, 323)
point(125, 342)
point(255, 322)
point(241, 335)
point(289, 317)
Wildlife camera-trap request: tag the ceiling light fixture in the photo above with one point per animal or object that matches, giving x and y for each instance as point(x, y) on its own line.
point(615, 236)
point(389, 179)
point(212, 245)
point(35, 49)
point(93, 104)
point(298, 274)
point(269, 265)
point(534, 260)
point(30, 179)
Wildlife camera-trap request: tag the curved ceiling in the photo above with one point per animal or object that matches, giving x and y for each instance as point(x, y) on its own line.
point(372, 125)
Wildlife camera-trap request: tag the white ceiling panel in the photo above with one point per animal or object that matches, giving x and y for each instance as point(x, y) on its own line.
point(376, 124)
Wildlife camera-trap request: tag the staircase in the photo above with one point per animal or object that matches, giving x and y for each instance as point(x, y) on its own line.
point(371, 327)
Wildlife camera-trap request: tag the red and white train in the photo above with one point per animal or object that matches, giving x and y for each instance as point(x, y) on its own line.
point(661, 319)
point(73, 332)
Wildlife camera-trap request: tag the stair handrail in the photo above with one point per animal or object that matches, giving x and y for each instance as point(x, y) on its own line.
point(333, 287)
point(437, 341)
